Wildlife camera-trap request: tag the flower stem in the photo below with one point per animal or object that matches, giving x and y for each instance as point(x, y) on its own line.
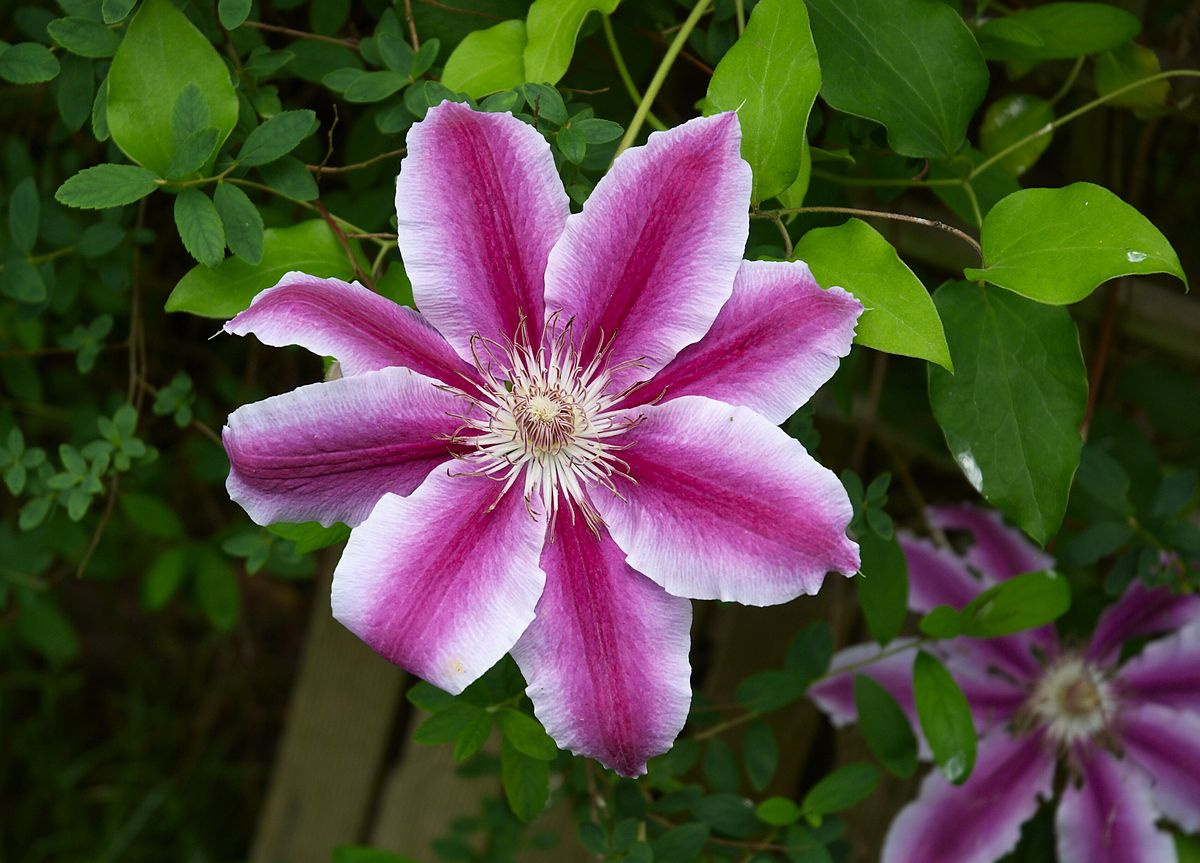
point(877, 214)
point(623, 73)
point(1079, 112)
point(660, 75)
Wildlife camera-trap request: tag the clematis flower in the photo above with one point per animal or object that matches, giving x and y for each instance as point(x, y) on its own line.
point(574, 436)
point(1126, 735)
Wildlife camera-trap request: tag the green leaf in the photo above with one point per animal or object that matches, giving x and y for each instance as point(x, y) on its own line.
point(425, 695)
point(310, 535)
point(114, 11)
point(1011, 412)
point(526, 781)
point(841, 789)
point(760, 753)
point(151, 515)
point(911, 65)
point(899, 317)
point(1127, 64)
point(526, 734)
point(487, 61)
point(374, 86)
point(885, 727)
point(161, 54)
point(1023, 602)
point(24, 207)
point(721, 766)
point(217, 592)
point(778, 811)
point(290, 178)
point(552, 27)
point(681, 844)
point(775, 55)
point(200, 227)
point(472, 737)
point(1058, 245)
point(74, 91)
point(27, 63)
point(233, 13)
point(42, 626)
point(1012, 119)
point(394, 52)
point(945, 718)
point(882, 586)
point(163, 579)
point(447, 725)
point(83, 36)
point(104, 186)
point(225, 290)
point(277, 137)
point(1056, 31)
point(243, 224)
point(191, 153)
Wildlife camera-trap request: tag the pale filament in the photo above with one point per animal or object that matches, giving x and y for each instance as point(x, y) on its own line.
point(543, 414)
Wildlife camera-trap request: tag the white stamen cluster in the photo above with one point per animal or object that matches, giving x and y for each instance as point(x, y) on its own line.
point(542, 413)
point(1073, 701)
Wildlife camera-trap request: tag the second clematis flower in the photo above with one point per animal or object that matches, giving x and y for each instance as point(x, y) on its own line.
point(1126, 733)
point(574, 436)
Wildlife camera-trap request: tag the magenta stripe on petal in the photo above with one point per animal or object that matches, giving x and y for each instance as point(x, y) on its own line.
point(777, 339)
point(1165, 744)
point(998, 551)
point(439, 582)
point(327, 452)
point(726, 506)
point(478, 206)
point(1110, 817)
point(606, 658)
point(652, 257)
point(980, 820)
point(1140, 611)
point(1166, 672)
point(358, 327)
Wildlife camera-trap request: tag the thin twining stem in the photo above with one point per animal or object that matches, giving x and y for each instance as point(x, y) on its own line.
point(876, 214)
point(1078, 112)
point(303, 34)
point(357, 166)
point(660, 75)
point(623, 73)
point(750, 715)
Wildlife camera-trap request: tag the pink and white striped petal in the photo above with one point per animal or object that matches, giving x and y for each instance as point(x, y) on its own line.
point(726, 506)
point(606, 658)
point(940, 577)
point(1166, 672)
point(777, 339)
point(327, 452)
point(979, 821)
point(358, 327)
point(1110, 817)
point(652, 257)
point(998, 551)
point(1165, 744)
point(1140, 611)
point(835, 694)
point(439, 582)
point(937, 576)
point(478, 206)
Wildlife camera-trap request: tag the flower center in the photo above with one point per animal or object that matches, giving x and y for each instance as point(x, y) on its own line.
point(1073, 701)
point(544, 415)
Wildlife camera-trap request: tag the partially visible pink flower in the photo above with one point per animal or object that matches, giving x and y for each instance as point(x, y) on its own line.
point(1128, 734)
point(576, 434)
